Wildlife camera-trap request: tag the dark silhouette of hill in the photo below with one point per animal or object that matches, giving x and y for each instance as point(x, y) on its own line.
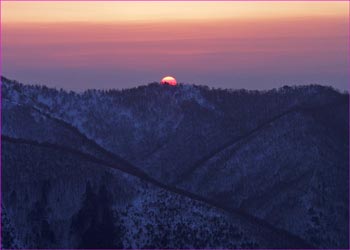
point(274, 162)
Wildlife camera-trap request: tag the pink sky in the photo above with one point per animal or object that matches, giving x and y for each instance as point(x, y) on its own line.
point(254, 53)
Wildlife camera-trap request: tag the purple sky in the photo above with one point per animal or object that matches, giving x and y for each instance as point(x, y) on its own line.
point(246, 53)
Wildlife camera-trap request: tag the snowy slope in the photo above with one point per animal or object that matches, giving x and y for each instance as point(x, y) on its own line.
point(280, 156)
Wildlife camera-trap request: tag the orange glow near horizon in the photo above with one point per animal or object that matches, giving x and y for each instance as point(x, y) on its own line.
point(56, 12)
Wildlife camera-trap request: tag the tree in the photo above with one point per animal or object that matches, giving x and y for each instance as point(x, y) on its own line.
point(96, 225)
point(44, 236)
point(8, 239)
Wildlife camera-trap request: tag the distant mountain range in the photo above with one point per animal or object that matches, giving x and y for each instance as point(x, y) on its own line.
point(181, 166)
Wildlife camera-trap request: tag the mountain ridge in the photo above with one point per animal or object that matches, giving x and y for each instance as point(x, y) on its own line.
point(267, 123)
point(179, 85)
point(295, 239)
point(164, 131)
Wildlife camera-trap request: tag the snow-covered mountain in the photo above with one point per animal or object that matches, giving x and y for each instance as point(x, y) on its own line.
point(175, 167)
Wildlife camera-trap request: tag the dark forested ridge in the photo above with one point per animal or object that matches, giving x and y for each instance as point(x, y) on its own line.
point(174, 167)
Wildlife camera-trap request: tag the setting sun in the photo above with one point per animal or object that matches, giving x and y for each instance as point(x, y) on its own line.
point(169, 80)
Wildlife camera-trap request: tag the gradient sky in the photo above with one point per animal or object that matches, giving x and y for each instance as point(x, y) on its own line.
point(253, 45)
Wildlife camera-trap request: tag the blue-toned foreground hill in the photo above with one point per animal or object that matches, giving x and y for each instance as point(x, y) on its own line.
point(175, 167)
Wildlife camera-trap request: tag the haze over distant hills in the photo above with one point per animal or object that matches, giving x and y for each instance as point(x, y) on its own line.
point(182, 166)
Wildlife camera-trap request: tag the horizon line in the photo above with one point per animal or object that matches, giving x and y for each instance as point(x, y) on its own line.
point(179, 84)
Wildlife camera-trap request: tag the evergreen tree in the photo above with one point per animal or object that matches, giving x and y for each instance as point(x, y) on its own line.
point(44, 236)
point(96, 225)
point(8, 234)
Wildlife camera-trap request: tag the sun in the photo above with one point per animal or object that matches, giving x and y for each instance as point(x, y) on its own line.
point(169, 80)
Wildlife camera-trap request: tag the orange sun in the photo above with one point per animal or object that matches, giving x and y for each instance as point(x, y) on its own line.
point(169, 80)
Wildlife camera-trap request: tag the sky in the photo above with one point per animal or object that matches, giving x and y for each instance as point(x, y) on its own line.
point(103, 45)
